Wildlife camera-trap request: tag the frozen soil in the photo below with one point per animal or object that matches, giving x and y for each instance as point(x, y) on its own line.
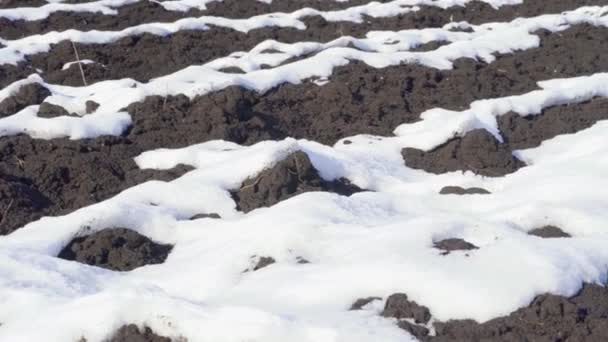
point(583, 317)
point(47, 178)
point(476, 12)
point(132, 333)
point(290, 177)
point(116, 249)
point(362, 100)
point(153, 56)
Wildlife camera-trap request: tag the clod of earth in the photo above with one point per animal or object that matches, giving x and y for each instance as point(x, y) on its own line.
point(202, 216)
point(361, 302)
point(400, 307)
point(49, 110)
point(583, 317)
point(91, 106)
point(549, 232)
point(457, 190)
point(19, 203)
point(261, 263)
point(132, 333)
point(292, 176)
point(453, 244)
point(477, 151)
point(27, 95)
point(117, 249)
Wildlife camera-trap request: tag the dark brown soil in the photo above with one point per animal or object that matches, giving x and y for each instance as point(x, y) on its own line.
point(21, 3)
point(129, 15)
point(399, 306)
point(202, 216)
point(361, 302)
point(132, 333)
point(530, 131)
point(153, 56)
point(453, 244)
point(476, 12)
point(583, 317)
point(290, 177)
point(27, 95)
point(117, 249)
point(477, 151)
point(549, 232)
point(457, 190)
point(263, 262)
point(46, 178)
point(350, 105)
point(551, 318)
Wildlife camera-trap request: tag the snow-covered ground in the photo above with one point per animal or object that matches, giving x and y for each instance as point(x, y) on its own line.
point(373, 243)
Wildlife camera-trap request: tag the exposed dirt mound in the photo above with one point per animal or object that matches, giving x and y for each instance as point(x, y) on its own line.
point(202, 216)
point(27, 95)
point(399, 306)
point(549, 232)
point(19, 203)
point(261, 262)
point(63, 175)
point(117, 249)
point(583, 317)
point(132, 333)
point(530, 131)
point(290, 177)
point(457, 190)
point(453, 244)
point(477, 151)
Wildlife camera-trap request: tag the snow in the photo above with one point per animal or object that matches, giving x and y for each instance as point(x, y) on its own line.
point(370, 244)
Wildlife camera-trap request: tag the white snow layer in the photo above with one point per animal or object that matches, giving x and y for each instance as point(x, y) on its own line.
point(370, 244)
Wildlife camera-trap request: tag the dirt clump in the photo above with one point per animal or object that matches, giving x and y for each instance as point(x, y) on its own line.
point(117, 249)
point(453, 244)
point(132, 333)
point(530, 131)
point(291, 176)
point(259, 263)
point(478, 151)
point(19, 203)
point(399, 306)
point(457, 190)
point(549, 232)
point(27, 95)
point(583, 317)
point(63, 175)
point(202, 216)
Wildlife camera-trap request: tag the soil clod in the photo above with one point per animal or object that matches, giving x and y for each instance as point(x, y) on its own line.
point(132, 333)
point(117, 249)
point(400, 307)
point(457, 190)
point(27, 95)
point(292, 176)
point(453, 244)
point(549, 232)
point(478, 151)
